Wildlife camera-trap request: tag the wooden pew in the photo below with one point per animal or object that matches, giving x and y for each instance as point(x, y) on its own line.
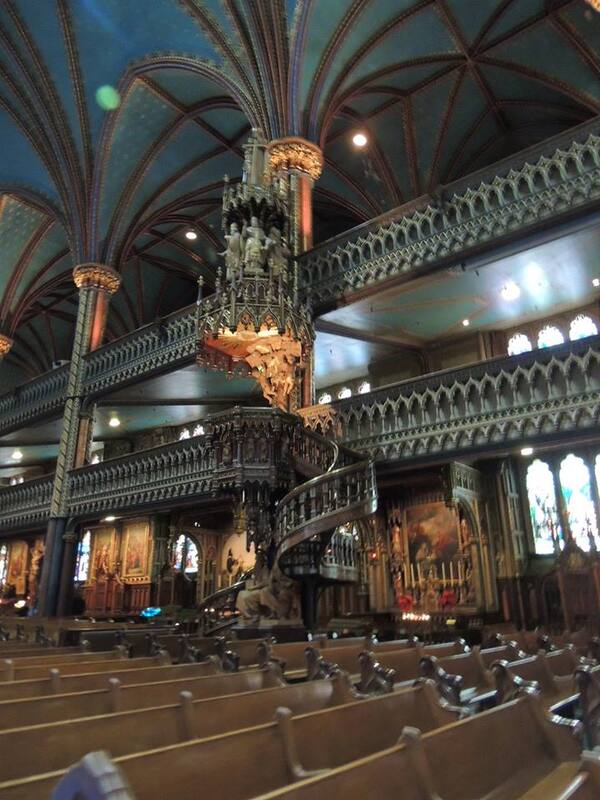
point(58, 659)
point(249, 761)
point(587, 679)
point(462, 681)
point(533, 674)
point(467, 760)
point(504, 652)
point(56, 683)
point(114, 697)
point(12, 671)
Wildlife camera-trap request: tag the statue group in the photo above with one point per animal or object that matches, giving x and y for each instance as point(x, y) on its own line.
point(251, 253)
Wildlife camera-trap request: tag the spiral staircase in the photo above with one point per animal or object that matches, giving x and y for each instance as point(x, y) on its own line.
point(305, 521)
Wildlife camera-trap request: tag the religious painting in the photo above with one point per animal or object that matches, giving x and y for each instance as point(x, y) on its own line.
point(136, 550)
point(432, 531)
point(102, 558)
point(18, 566)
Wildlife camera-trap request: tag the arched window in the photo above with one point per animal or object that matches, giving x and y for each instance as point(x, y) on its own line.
point(82, 564)
point(186, 554)
point(518, 343)
point(198, 430)
point(3, 563)
point(325, 398)
point(549, 336)
point(364, 387)
point(344, 393)
point(542, 507)
point(581, 327)
point(577, 493)
point(184, 434)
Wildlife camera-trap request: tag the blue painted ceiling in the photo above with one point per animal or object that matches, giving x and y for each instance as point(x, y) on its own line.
point(441, 87)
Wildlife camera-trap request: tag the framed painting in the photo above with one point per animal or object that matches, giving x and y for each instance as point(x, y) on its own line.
point(102, 552)
point(18, 566)
point(136, 550)
point(432, 532)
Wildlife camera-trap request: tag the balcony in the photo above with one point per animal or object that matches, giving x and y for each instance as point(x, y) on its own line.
point(502, 203)
point(26, 504)
point(488, 406)
point(42, 397)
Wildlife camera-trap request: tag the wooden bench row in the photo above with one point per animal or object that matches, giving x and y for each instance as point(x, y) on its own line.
point(352, 751)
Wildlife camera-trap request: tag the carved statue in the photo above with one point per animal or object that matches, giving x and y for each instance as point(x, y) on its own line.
point(274, 365)
point(277, 254)
point(36, 557)
point(255, 253)
point(234, 253)
point(272, 596)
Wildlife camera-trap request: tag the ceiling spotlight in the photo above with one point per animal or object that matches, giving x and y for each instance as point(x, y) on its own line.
point(114, 422)
point(359, 140)
point(466, 323)
point(110, 518)
point(191, 235)
point(527, 451)
point(596, 282)
point(17, 455)
point(510, 291)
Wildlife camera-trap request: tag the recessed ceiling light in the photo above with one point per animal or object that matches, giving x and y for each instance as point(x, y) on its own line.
point(110, 518)
point(596, 282)
point(191, 235)
point(466, 323)
point(359, 140)
point(17, 455)
point(114, 422)
point(527, 451)
point(510, 291)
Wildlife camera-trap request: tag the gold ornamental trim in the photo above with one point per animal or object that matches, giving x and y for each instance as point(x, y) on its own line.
point(295, 153)
point(5, 345)
point(97, 276)
point(595, 4)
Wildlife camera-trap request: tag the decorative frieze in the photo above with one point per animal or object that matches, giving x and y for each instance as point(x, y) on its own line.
point(26, 504)
point(96, 276)
point(35, 400)
point(5, 345)
point(295, 153)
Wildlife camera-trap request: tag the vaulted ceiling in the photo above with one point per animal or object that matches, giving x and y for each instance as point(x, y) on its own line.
point(117, 174)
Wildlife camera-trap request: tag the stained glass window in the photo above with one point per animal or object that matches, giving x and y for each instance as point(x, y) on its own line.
point(3, 563)
point(577, 493)
point(542, 507)
point(178, 554)
point(191, 556)
point(518, 343)
point(325, 398)
point(581, 327)
point(550, 336)
point(82, 564)
point(343, 393)
point(186, 553)
point(364, 387)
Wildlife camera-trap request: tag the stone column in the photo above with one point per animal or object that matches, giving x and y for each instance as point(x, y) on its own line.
point(95, 283)
point(300, 162)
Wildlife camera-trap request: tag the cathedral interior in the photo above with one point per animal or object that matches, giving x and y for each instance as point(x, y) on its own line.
point(300, 399)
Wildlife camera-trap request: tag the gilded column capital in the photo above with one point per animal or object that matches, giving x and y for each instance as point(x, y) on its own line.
point(97, 276)
point(295, 153)
point(5, 344)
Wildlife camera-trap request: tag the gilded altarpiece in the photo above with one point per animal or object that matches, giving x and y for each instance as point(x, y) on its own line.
point(17, 567)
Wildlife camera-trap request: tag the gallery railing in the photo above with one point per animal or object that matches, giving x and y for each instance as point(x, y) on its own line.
point(520, 398)
point(166, 344)
point(481, 210)
point(27, 503)
point(41, 397)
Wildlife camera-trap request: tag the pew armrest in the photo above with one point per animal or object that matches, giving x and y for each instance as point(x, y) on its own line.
point(510, 686)
point(374, 678)
point(449, 686)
